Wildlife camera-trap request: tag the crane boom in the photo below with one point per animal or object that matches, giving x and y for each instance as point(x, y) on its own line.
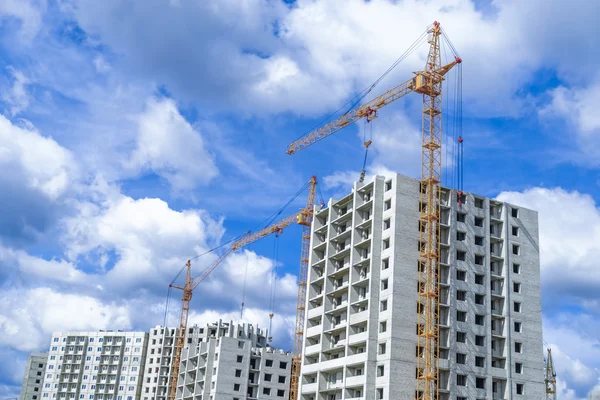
point(369, 110)
point(302, 218)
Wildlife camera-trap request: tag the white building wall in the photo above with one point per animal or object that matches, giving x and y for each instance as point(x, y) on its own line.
point(34, 377)
point(361, 323)
point(103, 365)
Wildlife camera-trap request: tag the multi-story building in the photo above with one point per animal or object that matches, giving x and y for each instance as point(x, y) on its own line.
point(232, 361)
point(34, 376)
point(361, 321)
point(104, 365)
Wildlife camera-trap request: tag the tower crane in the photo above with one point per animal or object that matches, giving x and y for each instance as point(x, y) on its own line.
point(303, 218)
point(550, 377)
point(428, 83)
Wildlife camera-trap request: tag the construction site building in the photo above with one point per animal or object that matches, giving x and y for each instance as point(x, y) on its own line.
point(362, 302)
point(103, 365)
point(223, 360)
point(35, 369)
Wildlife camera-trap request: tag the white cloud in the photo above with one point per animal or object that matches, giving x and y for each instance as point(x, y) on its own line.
point(569, 230)
point(29, 12)
point(578, 106)
point(36, 313)
point(17, 97)
point(170, 147)
point(45, 165)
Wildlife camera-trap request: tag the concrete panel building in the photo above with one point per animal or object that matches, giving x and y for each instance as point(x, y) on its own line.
point(104, 365)
point(362, 302)
point(34, 376)
point(232, 361)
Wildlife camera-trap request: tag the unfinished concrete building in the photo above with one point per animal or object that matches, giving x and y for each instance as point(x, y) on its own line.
point(33, 378)
point(223, 360)
point(362, 302)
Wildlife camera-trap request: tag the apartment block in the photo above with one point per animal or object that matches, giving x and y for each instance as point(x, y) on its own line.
point(104, 365)
point(34, 376)
point(362, 303)
point(232, 362)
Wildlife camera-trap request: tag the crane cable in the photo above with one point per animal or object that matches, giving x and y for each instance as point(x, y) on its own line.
point(244, 289)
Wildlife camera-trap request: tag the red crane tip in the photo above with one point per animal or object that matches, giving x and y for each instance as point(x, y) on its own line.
point(436, 24)
point(460, 139)
point(458, 60)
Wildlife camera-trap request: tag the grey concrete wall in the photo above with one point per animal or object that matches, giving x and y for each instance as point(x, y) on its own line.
point(33, 378)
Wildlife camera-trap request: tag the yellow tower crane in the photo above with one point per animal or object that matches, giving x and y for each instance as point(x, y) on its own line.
point(550, 377)
point(429, 84)
point(304, 218)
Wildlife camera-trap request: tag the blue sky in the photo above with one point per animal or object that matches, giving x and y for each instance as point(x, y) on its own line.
point(134, 135)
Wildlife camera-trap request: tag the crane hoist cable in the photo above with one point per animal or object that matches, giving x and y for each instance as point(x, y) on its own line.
point(244, 289)
point(273, 285)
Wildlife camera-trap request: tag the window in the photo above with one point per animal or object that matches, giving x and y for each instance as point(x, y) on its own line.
point(268, 363)
point(380, 370)
point(387, 204)
point(518, 347)
point(383, 306)
point(240, 359)
point(516, 287)
point(461, 380)
point(461, 295)
point(516, 249)
point(238, 373)
point(517, 268)
point(478, 203)
point(461, 236)
point(480, 362)
point(388, 185)
point(386, 244)
point(382, 326)
point(480, 383)
point(282, 364)
point(461, 316)
point(280, 393)
point(517, 306)
point(479, 298)
point(460, 217)
point(519, 368)
point(461, 255)
point(384, 284)
point(386, 224)
point(461, 337)
point(479, 340)
point(520, 386)
point(479, 240)
point(379, 393)
point(479, 319)
point(268, 377)
point(514, 212)
point(385, 264)
point(240, 345)
point(382, 348)
point(461, 275)
point(478, 221)
point(281, 379)
point(479, 279)
point(461, 358)
point(479, 259)
point(515, 230)
point(236, 387)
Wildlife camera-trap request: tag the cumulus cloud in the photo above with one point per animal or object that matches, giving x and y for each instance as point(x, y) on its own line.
point(17, 97)
point(28, 12)
point(170, 147)
point(36, 313)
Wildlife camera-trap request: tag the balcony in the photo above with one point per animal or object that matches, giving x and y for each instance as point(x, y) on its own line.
point(360, 337)
point(353, 381)
point(312, 349)
point(359, 317)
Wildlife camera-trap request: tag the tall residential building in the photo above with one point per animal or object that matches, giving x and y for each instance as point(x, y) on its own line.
point(224, 360)
point(104, 365)
point(34, 376)
point(362, 302)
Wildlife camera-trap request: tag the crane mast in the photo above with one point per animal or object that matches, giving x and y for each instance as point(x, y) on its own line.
point(550, 379)
point(304, 218)
point(428, 83)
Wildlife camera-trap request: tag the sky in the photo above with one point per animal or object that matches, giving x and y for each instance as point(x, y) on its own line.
point(136, 135)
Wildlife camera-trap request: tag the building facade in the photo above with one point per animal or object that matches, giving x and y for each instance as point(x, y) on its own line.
point(362, 302)
point(232, 361)
point(104, 365)
point(33, 378)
